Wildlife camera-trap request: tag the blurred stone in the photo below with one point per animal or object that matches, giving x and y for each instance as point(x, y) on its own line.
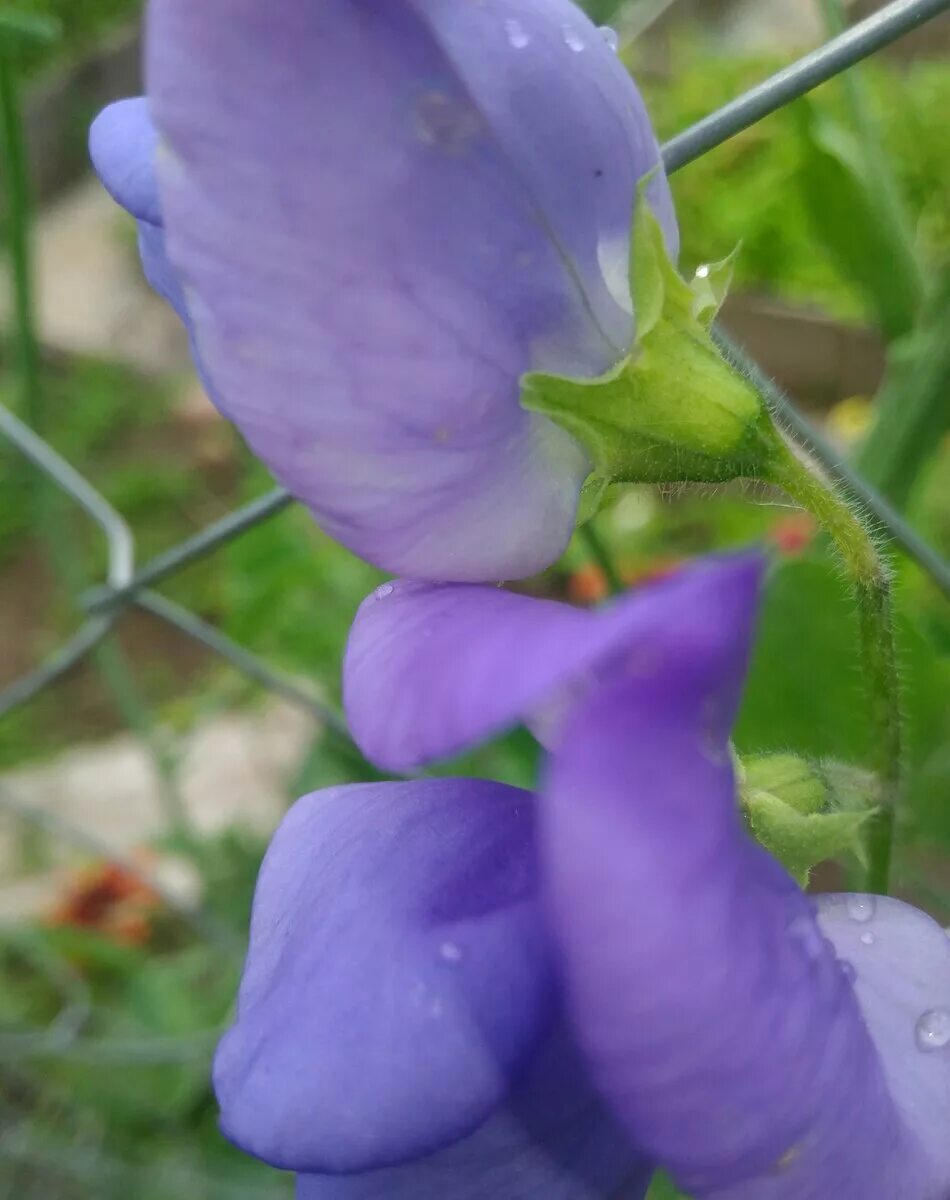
point(91, 295)
point(233, 770)
point(775, 24)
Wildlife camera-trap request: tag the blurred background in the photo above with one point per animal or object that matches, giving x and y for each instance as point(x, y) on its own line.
point(137, 794)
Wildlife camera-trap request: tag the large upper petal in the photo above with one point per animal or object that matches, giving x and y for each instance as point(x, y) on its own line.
point(731, 1036)
point(432, 668)
point(383, 212)
point(398, 1006)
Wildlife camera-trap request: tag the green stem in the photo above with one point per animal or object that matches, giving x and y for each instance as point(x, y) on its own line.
point(63, 554)
point(18, 236)
point(600, 555)
point(872, 593)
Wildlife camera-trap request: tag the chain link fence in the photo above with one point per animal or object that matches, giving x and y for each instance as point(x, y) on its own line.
point(128, 585)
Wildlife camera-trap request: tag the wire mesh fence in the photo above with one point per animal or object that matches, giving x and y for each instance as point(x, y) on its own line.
point(129, 585)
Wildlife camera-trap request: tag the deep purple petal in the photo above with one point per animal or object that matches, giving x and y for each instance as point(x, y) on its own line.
point(550, 1141)
point(431, 669)
point(398, 977)
point(383, 214)
point(122, 144)
point(717, 1020)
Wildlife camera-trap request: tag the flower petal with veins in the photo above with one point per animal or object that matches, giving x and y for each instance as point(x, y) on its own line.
point(381, 214)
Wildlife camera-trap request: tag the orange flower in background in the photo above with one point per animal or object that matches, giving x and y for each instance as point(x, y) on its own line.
point(793, 534)
point(588, 584)
point(649, 570)
point(111, 899)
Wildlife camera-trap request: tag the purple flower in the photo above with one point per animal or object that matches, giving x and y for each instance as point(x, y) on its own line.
point(377, 215)
point(459, 990)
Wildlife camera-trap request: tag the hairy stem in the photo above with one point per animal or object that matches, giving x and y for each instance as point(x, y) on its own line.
point(872, 591)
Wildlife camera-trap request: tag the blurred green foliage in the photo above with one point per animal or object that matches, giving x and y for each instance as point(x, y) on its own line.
point(81, 23)
point(125, 1108)
point(757, 189)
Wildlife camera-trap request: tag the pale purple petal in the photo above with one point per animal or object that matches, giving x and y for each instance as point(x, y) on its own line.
point(123, 144)
point(718, 1021)
point(432, 669)
point(383, 214)
point(899, 959)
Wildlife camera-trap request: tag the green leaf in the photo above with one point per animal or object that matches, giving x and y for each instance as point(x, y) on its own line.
point(710, 287)
point(794, 780)
point(656, 287)
point(859, 232)
point(27, 26)
point(600, 11)
point(800, 841)
point(663, 1188)
point(803, 812)
point(912, 410)
point(674, 410)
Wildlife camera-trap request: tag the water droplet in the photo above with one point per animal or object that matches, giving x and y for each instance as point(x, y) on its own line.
point(451, 952)
point(610, 37)
point(515, 32)
point(861, 908)
point(867, 938)
point(933, 1029)
point(806, 932)
point(847, 970)
point(383, 591)
point(572, 39)
point(445, 122)
point(702, 272)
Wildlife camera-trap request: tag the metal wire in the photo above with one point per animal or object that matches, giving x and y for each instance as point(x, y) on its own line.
point(839, 469)
point(124, 588)
point(860, 41)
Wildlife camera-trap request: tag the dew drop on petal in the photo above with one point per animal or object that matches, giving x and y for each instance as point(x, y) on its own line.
point(610, 37)
point(383, 591)
point(861, 908)
point(445, 122)
point(702, 272)
point(572, 39)
point(515, 32)
point(867, 938)
point(450, 952)
point(933, 1029)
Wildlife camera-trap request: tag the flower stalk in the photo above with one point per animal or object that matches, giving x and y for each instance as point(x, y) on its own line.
point(870, 580)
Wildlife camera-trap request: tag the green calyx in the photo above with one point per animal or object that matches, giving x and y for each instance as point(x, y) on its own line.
point(673, 410)
point(804, 812)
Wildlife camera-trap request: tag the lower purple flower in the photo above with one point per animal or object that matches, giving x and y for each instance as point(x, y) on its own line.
point(456, 989)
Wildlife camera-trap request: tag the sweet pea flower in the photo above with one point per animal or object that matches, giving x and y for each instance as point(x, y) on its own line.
point(374, 217)
point(457, 989)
